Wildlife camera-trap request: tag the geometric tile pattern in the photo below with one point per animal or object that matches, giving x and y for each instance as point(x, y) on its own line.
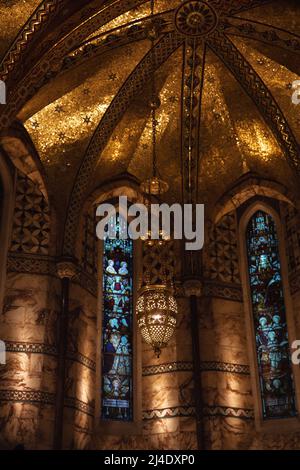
point(48, 350)
point(33, 264)
point(207, 412)
point(182, 366)
point(292, 236)
point(228, 412)
point(223, 291)
point(86, 408)
point(81, 359)
point(166, 368)
point(222, 264)
point(45, 398)
point(159, 263)
point(30, 348)
point(172, 412)
point(27, 396)
point(89, 258)
point(31, 225)
point(215, 366)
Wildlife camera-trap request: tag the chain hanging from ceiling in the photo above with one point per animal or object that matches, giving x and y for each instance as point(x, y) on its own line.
point(156, 306)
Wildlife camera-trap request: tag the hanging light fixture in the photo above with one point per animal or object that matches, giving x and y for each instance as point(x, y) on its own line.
point(156, 307)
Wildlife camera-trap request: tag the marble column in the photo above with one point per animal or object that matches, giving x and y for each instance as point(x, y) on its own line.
point(66, 270)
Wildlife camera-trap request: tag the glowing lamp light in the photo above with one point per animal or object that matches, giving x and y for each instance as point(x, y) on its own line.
point(156, 311)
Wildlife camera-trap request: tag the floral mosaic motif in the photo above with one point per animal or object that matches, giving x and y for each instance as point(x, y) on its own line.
point(272, 347)
point(31, 226)
point(117, 328)
point(196, 18)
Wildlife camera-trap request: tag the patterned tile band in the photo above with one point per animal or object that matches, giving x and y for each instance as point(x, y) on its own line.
point(223, 291)
point(225, 367)
point(83, 360)
point(50, 350)
point(45, 398)
point(27, 396)
point(167, 367)
point(36, 397)
point(188, 366)
point(228, 412)
point(174, 412)
point(78, 405)
point(45, 265)
point(32, 264)
point(33, 348)
point(208, 412)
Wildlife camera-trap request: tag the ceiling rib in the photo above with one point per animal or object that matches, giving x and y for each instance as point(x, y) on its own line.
point(132, 86)
point(260, 94)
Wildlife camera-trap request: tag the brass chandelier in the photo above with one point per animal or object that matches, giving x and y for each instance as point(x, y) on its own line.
point(156, 307)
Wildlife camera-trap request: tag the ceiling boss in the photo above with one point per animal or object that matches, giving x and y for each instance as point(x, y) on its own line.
point(196, 18)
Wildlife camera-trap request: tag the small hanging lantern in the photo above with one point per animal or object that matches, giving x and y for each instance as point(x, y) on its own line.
point(156, 311)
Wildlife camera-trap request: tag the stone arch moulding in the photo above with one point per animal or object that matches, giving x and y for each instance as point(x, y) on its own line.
point(286, 424)
point(19, 147)
point(124, 185)
point(247, 187)
point(7, 186)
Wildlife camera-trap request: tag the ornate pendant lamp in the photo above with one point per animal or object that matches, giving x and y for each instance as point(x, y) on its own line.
point(156, 307)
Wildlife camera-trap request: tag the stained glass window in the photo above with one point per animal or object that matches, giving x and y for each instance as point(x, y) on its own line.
point(272, 346)
point(117, 326)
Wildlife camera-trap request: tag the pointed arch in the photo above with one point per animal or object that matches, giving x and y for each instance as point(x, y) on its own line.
point(269, 316)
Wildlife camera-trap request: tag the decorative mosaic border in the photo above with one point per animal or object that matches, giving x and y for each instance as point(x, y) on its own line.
point(167, 368)
point(223, 291)
point(33, 348)
point(46, 265)
point(46, 398)
point(81, 359)
point(228, 412)
point(33, 264)
point(27, 396)
point(208, 412)
point(188, 366)
point(38, 19)
point(76, 404)
point(49, 350)
point(225, 367)
point(173, 412)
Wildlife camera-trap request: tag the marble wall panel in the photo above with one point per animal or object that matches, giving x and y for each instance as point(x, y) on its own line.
point(28, 381)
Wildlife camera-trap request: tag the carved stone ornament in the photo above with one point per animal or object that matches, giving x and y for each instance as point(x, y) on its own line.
point(193, 287)
point(196, 18)
point(66, 269)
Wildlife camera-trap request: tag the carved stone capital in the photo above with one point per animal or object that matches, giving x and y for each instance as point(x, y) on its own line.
point(66, 269)
point(193, 287)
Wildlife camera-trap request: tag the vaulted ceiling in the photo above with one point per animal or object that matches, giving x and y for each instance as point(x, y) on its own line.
point(78, 76)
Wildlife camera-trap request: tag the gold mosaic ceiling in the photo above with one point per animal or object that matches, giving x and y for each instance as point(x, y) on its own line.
point(74, 113)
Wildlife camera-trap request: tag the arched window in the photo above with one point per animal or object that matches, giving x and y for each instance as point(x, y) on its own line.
point(117, 330)
point(269, 313)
